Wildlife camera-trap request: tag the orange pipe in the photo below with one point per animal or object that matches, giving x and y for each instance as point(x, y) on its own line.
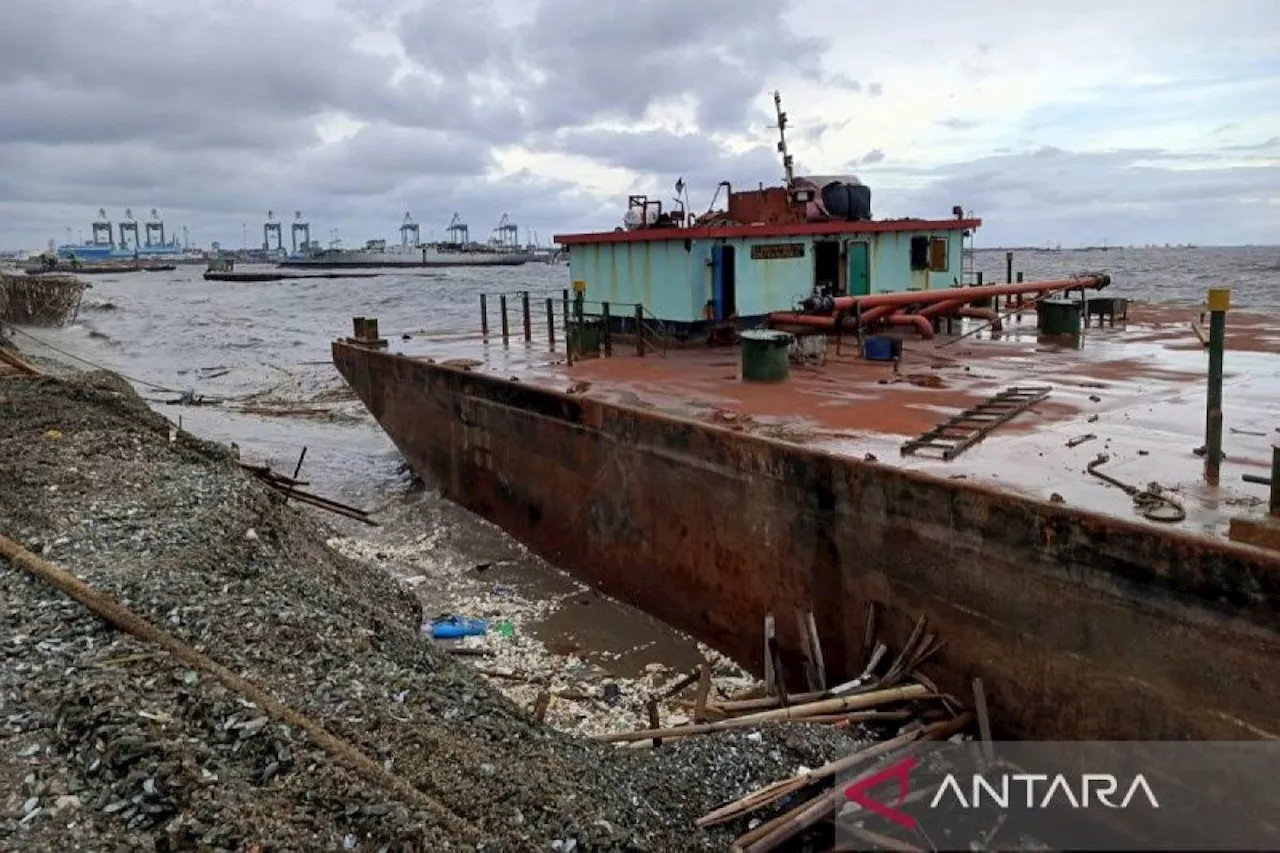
point(899, 318)
point(988, 314)
point(875, 315)
point(939, 309)
point(822, 321)
point(924, 297)
point(828, 321)
point(922, 324)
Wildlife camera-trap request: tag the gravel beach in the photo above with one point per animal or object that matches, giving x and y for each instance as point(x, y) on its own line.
point(111, 744)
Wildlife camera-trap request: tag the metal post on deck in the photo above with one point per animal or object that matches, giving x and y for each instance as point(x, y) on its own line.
point(568, 331)
point(1218, 302)
point(639, 329)
point(502, 306)
point(528, 320)
point(1273, 504)
point(484, 316)
point(551, 323)
point(604, 329)
point(1275, 480)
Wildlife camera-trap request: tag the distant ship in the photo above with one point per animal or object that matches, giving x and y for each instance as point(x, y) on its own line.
point(376, 253)
point(457, 251)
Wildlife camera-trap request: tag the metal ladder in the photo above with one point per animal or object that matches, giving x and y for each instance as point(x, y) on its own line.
point(968, 263)
point(960, 432)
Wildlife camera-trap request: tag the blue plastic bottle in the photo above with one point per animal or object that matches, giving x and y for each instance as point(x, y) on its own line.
point(457, 626)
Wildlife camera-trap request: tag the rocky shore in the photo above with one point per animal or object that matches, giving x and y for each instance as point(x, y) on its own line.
point(109, 743)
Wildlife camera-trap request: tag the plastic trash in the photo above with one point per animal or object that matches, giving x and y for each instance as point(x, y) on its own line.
point(453, 627)
point(506, 630)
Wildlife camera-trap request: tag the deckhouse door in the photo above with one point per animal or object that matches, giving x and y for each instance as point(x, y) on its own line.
point(859, 278)
point(723, 282)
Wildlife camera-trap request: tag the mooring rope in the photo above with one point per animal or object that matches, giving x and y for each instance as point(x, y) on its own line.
point(95, 365)
point(1148, 501)
point(126, 620)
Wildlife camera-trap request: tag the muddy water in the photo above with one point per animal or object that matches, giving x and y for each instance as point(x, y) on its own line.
point(262, 350)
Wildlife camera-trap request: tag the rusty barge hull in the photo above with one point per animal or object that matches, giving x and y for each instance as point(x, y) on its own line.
point(1082, 626)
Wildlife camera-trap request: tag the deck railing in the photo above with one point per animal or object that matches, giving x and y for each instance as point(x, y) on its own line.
point(585, 328)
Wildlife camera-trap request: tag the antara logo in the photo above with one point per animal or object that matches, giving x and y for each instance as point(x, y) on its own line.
point(1038, 791)
point(1090, 788)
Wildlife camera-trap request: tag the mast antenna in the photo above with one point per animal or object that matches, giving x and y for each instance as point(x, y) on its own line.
point(787, 164)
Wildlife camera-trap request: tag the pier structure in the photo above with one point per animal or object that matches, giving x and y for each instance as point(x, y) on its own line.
point(458, 231)
point(103, 235)
point(410, 233)
point(272, 228)
point(154, 230)
point(508, 233)
point(299, 227)
point(127, 226)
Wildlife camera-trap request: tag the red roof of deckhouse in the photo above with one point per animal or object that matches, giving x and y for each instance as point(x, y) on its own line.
point(802, 229)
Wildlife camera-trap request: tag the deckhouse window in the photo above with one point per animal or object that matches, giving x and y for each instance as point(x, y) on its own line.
point(919, 253)
point(938, 254)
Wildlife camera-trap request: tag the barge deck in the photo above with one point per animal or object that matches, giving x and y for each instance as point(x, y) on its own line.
point(1138, 389)
point(669, 482)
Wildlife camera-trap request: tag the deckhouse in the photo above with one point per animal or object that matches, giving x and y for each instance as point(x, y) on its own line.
point(710, 273)
point(771, 247)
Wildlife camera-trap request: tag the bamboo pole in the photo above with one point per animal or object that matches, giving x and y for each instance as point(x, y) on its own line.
point(795, 712)
point(739, 706)
point(342, 751)
point(18, 364)
point(801, 819)
point(776, 790)
point(797, 821)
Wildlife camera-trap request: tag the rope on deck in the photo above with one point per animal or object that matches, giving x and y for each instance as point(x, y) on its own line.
point(1151, 502)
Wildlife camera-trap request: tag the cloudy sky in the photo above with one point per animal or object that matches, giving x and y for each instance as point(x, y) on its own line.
point(1126, 121)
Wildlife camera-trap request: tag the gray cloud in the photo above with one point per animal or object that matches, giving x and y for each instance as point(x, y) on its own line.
point(210, 110)
point(357, 110)
point(1273, 142)
point(1053, 195)
point(578, 62)
point(695, 156)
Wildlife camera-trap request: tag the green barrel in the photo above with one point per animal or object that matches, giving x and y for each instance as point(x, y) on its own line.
point(585, 337)
point(1058, 316)
point(766, 356)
